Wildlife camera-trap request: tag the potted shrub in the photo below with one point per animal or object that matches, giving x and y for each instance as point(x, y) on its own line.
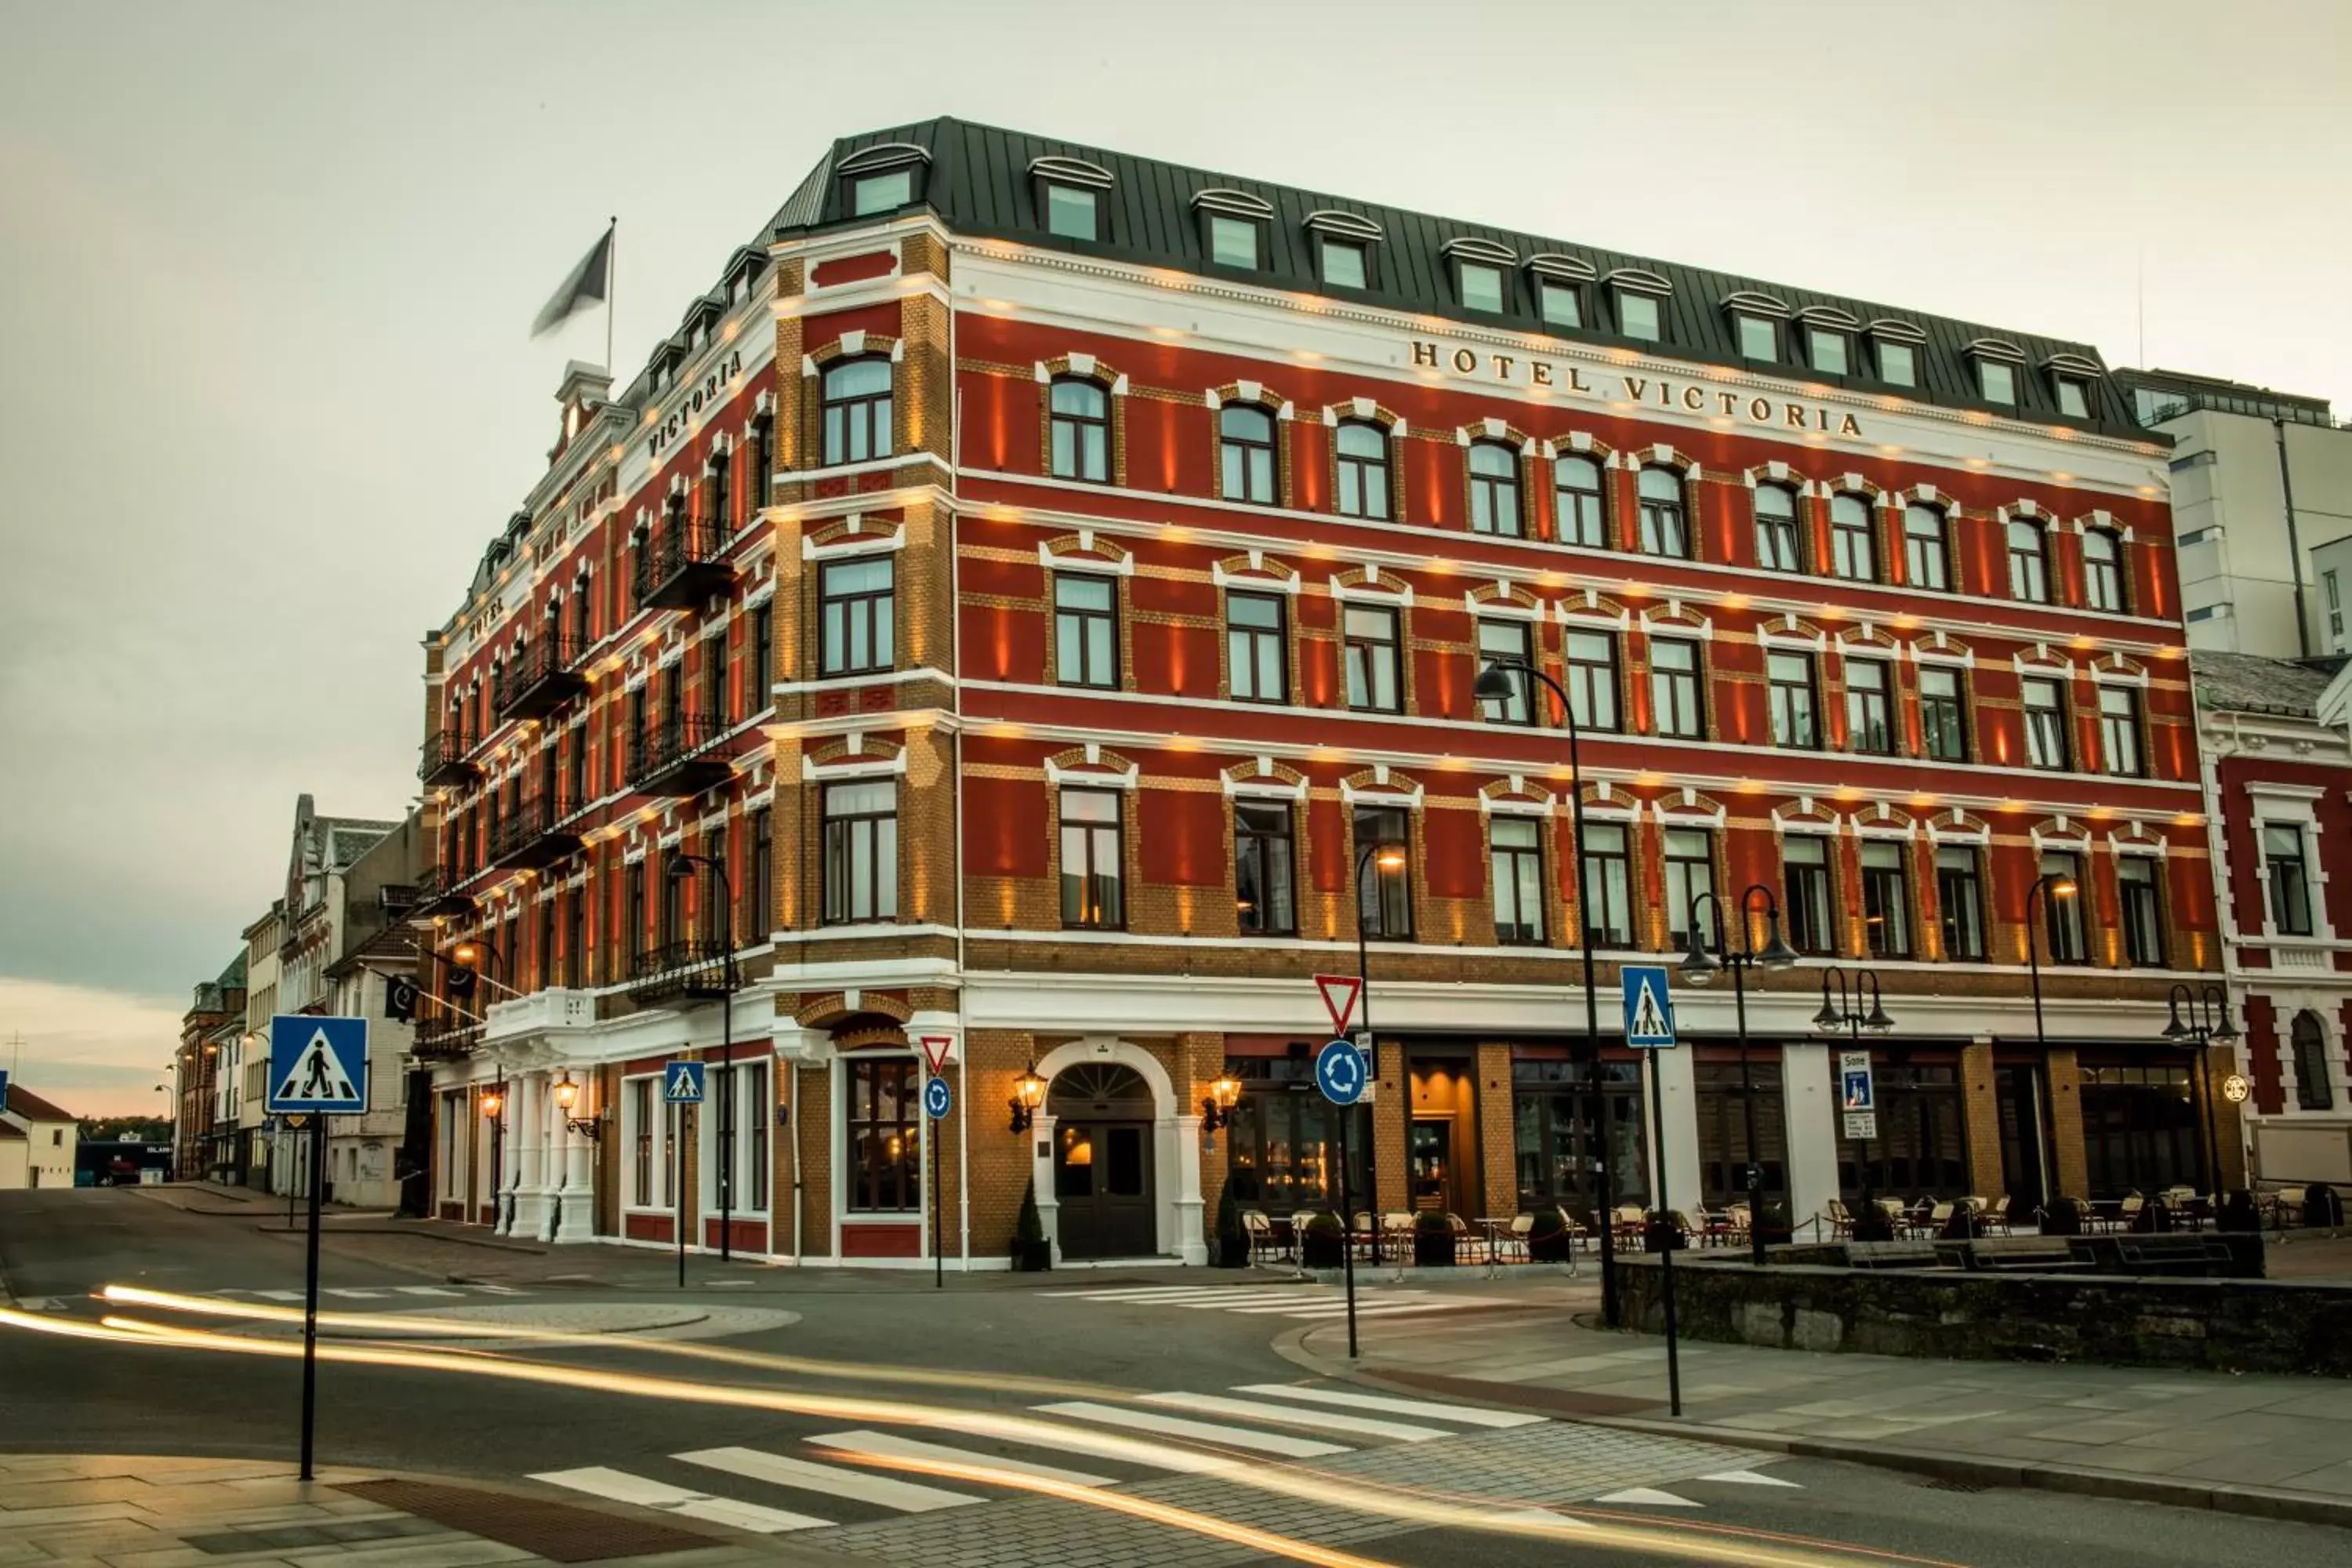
point(1032, 1253)
point(1433, 1239)
point(1233, 1237)
point(2239, 1212)
point(2322, 1209)
point(1871, 1223)
point(1548, 1238)
point(1326, 1242)
point(1661, 1234)
point(1772, 1223)
point(2062, 1217)
point(2154, 1215)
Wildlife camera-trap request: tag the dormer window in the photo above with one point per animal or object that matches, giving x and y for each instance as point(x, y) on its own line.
point(884, 178)
point(2074, 397)
point(1894, 351)
point(1233, 227)
point(1069, 192)
point(1481, 282)
point(1996, 363)
point(1828, 339)
point(2071, 377)
point(1636, 300)
point(1559, 282)
point(1756, 324)
point(1343, 248)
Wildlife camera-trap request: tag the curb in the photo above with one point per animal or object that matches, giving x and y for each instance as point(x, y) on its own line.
point(2080, 1480)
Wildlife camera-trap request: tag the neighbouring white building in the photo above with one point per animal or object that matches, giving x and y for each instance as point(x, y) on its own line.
point(38, 1142)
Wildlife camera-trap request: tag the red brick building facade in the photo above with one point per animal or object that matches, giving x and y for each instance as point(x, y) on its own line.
point(1049, 582)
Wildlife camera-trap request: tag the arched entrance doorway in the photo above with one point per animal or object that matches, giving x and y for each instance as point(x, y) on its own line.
point(1103, 1116)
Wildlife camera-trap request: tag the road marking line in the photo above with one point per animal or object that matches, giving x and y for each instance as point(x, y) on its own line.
point(1322, 1420)
point(280, 1295)
point(1370, 1309)
point(1750, 1479)
point(1650, 1496)
point(1543, 1517)
point(352, 1290)
point(1467, 1415)
point(1199, 1431)
point(1237, 1300)
point(1152, 1293)
point(426, 1290)
point(619, 1486)
point(882, 1444)
point(836, 1480)
point(499, 1290)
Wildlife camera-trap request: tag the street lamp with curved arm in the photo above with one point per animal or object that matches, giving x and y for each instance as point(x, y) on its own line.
point(1496, 683)
point(1698, 967)
point(2049, 885)
point(2207, 1024)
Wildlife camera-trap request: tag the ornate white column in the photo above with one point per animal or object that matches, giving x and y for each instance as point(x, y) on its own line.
point(576, 1219)
point(552, 1135)
point(529, 1132)
point(1812, 1135)
point(1189, 1243)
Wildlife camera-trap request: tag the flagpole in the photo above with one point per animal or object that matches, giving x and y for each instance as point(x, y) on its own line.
point(611, 278)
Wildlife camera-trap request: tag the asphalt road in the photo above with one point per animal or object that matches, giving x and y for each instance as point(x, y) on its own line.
point(829, 1373)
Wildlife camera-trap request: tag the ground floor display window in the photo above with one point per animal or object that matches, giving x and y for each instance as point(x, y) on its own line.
point(1557, 1117)
point(1922, 1148)
point(2139, 1129)
point(885, 1143)
point(1725, 1116)
point(1283, 1143)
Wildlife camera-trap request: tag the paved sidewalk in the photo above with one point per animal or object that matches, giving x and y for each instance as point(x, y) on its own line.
point(2280, 1447)
point(149, 1513)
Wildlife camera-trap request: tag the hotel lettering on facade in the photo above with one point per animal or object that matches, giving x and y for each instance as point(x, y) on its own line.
point(1041, 578)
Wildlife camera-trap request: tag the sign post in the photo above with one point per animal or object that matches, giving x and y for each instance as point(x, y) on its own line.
point(939, 1099)
point(319, 1065)
point(1650, 1026)
point(1342, 1074)
point(681, 1089)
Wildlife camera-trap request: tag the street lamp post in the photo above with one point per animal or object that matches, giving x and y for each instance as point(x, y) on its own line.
point(2048, 886)
point(1844, 1014)
point(681, 866)
point(1496, 683)
point(2207, 1024)
point(1388, 858)
point(1698, 967)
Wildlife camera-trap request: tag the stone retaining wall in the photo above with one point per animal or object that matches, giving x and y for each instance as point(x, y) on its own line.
point(2233, 1325)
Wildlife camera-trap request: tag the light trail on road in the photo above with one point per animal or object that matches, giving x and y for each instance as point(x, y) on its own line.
point(1491, 1517)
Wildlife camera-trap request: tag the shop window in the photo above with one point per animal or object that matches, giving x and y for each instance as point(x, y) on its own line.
point(1921, 1150)
point(2141, 1131)
point(1081, 430)
point(1283, 1143)
point(883, 1145)
point(1732, 1098)
point(1558, 1111)
point(1516, 849)
point(861, 852)
point(1363, 465)
point(1092, 867)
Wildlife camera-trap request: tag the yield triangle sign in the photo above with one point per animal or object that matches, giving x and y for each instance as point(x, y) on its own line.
point(1339, 993)
point(935, 1051)
point(316, 1076)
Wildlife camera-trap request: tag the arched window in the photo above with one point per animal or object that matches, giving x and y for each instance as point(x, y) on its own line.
point(1495, 490)
point(857, 411)
point(1081, 430)
point(1364, 452)
point(1926, 560)
point(1246, 448)
point(2313, 1089)
point(1853, 553)
point(2103, 571)
point(2028, 561)
point(1779, 543)
point(1666, 530)
point(1579, 503)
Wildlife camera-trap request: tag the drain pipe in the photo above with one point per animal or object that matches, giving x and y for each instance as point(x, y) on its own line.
point(794, 1106)
point(2294, 541)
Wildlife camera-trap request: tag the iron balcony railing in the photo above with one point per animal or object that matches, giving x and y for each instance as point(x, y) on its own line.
point(443, 758)
point(679, 757)
point(693, 966)
point(680, 564)
point(535, 833)
point(541, 680)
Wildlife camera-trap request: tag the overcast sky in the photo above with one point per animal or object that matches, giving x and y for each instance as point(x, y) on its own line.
point(267, 271)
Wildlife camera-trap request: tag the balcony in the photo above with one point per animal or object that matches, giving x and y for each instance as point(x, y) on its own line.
point(682, 760)
point(445, 760)
point(695, 968)
point(681, 565)
point(444, 1039)
point(541, 831)
point(542, 679)
point(437, 894)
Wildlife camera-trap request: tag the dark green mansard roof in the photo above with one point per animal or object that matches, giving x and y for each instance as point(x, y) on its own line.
point(982, 181)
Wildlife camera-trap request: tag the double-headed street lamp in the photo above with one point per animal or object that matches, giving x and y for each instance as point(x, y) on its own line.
point(2208, 1023)
point(1698, 967)
point(1844, 1014)
point(681, 866)
point(1498, 682)
point(2049, 885)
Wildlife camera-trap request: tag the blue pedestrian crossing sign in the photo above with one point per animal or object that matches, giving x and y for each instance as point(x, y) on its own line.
point(317, 1065)
point(937, 1097)
point(1649, 1009)
point(682, 1083)
point(1341, 1072)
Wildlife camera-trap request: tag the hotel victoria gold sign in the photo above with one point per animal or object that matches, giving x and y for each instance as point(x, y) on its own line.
point(1649, 391)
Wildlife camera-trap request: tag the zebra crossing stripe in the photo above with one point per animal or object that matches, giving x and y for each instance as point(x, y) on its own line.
point(352, 1291)
point(620, 1486)
point(1283, 1416)
point(427, 1290)
point(1427, 1409)
point(1199, 1431)
point(835, 1480)
point(1648, 1497)
point(1750, 1479)
point(886, 1445)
